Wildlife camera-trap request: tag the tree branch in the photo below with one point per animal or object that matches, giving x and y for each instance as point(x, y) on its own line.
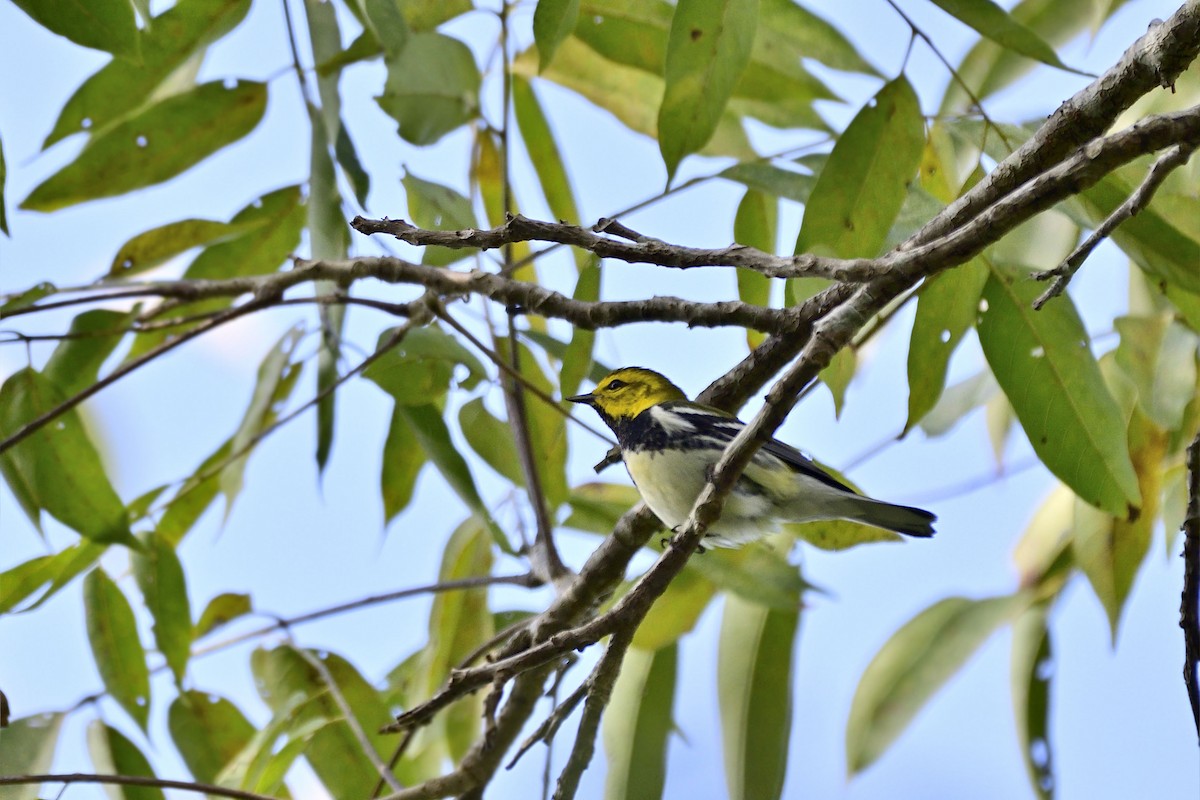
point(1189, 604)
point(133, 780)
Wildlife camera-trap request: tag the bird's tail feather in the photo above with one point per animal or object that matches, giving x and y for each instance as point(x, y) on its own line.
point(901, 519)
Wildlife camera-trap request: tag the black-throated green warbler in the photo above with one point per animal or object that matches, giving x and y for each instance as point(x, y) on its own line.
point(670, 446)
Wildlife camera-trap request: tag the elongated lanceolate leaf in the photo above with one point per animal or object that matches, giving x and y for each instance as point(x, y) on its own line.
point(707, 51)
point(149, 249)
point(160, 577)
point(24, 580)
point(863, 185)
point(1042, 361)
point(112, 632)
point(75, 363)
point(994, 22)
point(57, 468)
point(553, 21)
point(28, 749)
point(754, 692)
point(208, 731)
point(155, 145)
point(1032, 667)
point(638, 722)
point(114, 754)
point(912, 666)
point(103, 24)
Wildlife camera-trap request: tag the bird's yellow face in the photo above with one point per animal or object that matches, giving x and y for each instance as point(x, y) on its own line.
point(627, 392)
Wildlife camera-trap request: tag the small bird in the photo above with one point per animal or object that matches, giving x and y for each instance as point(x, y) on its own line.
point(670, 447)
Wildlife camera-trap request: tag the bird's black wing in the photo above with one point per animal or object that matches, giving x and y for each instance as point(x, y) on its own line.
point(721, 428)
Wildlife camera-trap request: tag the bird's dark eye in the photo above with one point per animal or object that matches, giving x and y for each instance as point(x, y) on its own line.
point(615, 384)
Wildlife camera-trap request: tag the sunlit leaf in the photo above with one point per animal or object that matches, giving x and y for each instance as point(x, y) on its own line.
point(757, 573)
point(491, 439)
point(754, 692)
point(155, 145)
point(419, 368)
point(773, 180)
point(637, 723)
point(458, 623)
point(1042, 361)
point(632, 95)
point(914, 663)
point(707, 51)
point(577, 359)
point(114, 754)
point(103, 24)
point(220, 611)
point(122, 86)
point(553, 21)
point(160, 577)
point(1032, 667)
point(596, 507)
point(1046, 538)
point(194, 497)
point(208, 731)
point(403, 458)
point(432, 87)
point(544, 154)
point(1159, 355)
point(29, 744)
point(861, 189)
point(754, 225)
point(994, 22)
point(112, 632)
point(788, 32)
point(57, 467)
point(150, 249)
point(676, 611)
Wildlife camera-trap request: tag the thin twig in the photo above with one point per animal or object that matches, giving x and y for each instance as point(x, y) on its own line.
point(599, 691)
point(133, 780)
point(1166, 163)
point(553, 721)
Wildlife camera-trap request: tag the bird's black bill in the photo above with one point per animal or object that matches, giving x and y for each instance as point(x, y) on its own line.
point(587, 399)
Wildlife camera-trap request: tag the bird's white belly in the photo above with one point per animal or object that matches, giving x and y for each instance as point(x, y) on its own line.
point(670, 482)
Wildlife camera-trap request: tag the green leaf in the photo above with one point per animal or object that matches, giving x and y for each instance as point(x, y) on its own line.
point(23, 580)
point(676, 611)
point(547, 428)
point(946, 309)
point(160, 577)
point(1042, 361)
point(154, 247)
point(913, 665)
point(75, 363)
point(277, 376)
point(992, 21)
point(121, 86)
point(383, 20)
point(837, 376)
point(632, 95)
point(491, 439)
point(596, 507)
point(114, 754)
point(789, 32)
point(862, 187)
point(208, 731)
point(418, 369)
point(754, 225)
point(1159, 355)
point(553, 21)
point(193, 498)
point(437, 207)
point(458, 623)
point(220, 611)
point(1047, 536)
point(273, 225)
point(432, 87)
point(988, 67)
point(754, 692)
point(431, 432)
point(28, 749)
point(112, 632)
point(57, 467)
point(772, 180)
point(637, 723)
point(28, 297)
point(425, 15)
point(1032, 667)
point(577, 359)
point(544, 154)
point(959, 400)
point(155, 145)
point(101, 24)
point(759, 574)
point(402, 462)
point(839, 534)
point(708, 49)
point(316, 725)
